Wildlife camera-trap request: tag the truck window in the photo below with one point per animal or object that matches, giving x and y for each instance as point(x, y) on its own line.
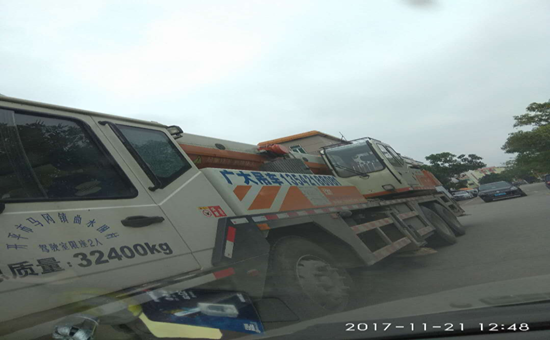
point(45, 158)
point(154, 151)
point(354, 159)
point(396, 155)
point(297, 148)
point(389, 156)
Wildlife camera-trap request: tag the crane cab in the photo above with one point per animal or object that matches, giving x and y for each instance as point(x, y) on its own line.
point(375, 168)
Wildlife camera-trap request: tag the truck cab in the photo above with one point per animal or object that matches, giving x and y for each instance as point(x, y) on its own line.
point(91, 204)
point(375, 168)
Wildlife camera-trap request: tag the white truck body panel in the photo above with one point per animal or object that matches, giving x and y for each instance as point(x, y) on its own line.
point(210, 142)
point(185, 200)
point(258, 192)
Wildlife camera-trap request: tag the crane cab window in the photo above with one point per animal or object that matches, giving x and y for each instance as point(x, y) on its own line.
point(51, 158)
point(396, 155)
point(390, 155)
point(353, 160)
point(157, 155)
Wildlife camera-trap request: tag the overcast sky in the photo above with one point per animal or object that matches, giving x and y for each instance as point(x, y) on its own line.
point(423, 76)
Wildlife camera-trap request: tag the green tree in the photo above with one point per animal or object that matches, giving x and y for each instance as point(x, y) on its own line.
point(532, 146)
point(538, 114)
point(457, 185)
point(517, 170)
point(446, 166)
point(494, 177)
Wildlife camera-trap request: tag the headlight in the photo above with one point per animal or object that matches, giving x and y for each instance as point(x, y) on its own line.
point(513, 188)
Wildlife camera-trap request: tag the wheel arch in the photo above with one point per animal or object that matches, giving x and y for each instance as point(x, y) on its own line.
point(313, 232)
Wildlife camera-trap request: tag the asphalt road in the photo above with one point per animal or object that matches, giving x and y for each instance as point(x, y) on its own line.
point(504, 240)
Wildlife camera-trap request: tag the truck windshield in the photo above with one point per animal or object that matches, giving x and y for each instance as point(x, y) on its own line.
point(354, 159)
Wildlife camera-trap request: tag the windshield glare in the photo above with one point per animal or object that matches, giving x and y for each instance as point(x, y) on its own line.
point(351, 160)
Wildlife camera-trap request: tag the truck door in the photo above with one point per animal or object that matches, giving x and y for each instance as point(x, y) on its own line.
point(182, 191)
point(397, 163)
point(77, 222)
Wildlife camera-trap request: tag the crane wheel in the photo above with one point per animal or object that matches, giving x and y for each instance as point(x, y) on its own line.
point(449, 218)
point(307, 278)
point(443, 234)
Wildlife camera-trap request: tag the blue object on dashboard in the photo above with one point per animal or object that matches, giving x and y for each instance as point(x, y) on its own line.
point(232, 311)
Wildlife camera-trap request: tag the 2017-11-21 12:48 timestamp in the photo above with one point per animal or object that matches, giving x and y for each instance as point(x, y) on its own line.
point(446, 327)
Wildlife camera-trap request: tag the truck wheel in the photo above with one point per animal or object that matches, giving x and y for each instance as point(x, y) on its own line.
point(443, 234)
point(449, 218)
point(307, 278)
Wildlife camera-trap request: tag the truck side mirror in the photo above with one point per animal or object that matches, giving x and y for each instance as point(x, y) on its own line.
point(174, 130)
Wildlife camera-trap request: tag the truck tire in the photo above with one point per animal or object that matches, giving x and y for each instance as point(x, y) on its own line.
point(449, 218)
point(443, 234)
point(307, 278)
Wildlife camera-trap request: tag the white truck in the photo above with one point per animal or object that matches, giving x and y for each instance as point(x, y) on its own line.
point(100, 213)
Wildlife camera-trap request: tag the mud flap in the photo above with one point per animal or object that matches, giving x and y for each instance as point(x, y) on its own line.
point(238, 239)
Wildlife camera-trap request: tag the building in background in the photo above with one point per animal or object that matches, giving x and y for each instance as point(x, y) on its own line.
point(473, 176)
point(309, 142)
